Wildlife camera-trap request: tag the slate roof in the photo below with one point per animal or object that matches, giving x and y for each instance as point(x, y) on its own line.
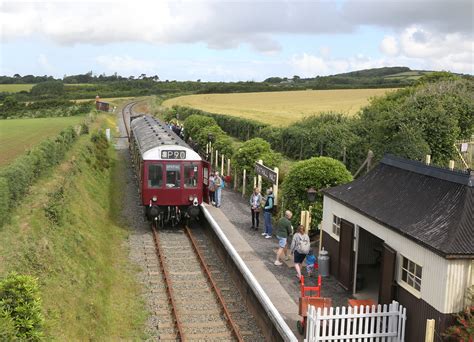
point(149, 133)
point(432, 206)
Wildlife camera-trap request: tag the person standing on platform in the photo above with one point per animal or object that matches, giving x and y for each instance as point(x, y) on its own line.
point(300, 247)
point(255, 200)
point(282, 233)
point(267, 214)
point(212, 189)
point(218, 193)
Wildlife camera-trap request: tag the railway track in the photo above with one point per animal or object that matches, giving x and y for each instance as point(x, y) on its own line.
point(127, 112)
point(192, 294)
point(198, 299)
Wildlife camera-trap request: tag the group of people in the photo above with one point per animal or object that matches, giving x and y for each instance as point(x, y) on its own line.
point(215, 189)
point(300, 243)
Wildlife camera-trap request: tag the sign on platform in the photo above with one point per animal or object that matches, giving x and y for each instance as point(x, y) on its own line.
point(266, 172)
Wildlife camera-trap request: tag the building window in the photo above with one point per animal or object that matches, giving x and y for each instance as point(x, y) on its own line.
point(190, 175)
point(155, 176)
point(411, 274)
point(336, 225)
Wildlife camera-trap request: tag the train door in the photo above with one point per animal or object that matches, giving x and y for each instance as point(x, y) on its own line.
point(206, 170)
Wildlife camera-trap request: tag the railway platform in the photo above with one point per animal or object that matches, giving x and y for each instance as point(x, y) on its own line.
point(279, 282)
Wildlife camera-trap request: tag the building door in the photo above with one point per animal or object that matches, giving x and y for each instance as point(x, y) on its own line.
point(387, 275)
point(346, 255)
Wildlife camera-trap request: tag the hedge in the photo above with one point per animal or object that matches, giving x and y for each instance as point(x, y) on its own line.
point(17, 177)
point(327, 134)
point(20, 308)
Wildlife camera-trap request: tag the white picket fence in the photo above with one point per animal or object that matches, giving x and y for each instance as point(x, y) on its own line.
point(377, 323)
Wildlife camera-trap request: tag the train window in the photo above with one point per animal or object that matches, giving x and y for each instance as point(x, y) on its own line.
point(190, 175)
point(155, 176)
point(173, 175)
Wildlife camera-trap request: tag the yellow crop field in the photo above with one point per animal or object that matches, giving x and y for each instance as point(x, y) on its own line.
point(280, 108)
point(15, 88)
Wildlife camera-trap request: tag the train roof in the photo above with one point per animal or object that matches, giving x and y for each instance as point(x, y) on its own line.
point(153, 137)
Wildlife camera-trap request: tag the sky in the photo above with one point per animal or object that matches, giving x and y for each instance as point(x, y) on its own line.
point(222, 40)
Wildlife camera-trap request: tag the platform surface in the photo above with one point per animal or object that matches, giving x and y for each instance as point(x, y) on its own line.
point(280, 298)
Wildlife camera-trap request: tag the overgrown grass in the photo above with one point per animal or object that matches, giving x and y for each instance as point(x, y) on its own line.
point(67, 233)
point(280, 108)
point(19, 135)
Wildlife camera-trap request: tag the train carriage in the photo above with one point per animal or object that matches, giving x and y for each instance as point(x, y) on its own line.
point(172, 177)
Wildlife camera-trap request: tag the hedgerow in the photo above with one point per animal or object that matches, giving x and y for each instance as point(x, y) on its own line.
point(18, 176)
point(199, 127)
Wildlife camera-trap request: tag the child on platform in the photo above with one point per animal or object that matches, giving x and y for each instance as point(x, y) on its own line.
point(310, 262)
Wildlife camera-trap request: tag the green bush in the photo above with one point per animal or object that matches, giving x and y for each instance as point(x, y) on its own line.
point(199, 127)
point(318, 173)
point(7, 326)
point(20, 304)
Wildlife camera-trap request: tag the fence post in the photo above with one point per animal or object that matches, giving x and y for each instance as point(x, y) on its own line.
point(451, 165)
point(275, 187)
point(211, 151)
point(430, 328)
point(244, 178)
point(217, 159)
point(235, 180)
point(222, 165)
point(228, 167)
point(259, 178)
point(207, 151)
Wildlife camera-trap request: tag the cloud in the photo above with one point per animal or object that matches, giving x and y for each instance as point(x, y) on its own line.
point(126, 64)
point(222, 24)
point(307, 65)
point(389, 46)
point(449, 51)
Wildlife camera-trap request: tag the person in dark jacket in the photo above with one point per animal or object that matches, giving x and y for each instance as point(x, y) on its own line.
point(267, 214)
point(282, 232)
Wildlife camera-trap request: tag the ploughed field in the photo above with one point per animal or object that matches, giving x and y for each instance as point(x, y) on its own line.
point(18, 135)
point(280, 108)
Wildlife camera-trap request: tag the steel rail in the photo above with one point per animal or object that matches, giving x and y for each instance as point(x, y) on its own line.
point(169, 288)
point(128, 107)
point(232, 325)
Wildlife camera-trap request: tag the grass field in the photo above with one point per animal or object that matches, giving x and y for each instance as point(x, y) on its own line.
point(280, 108)
point(86, 280)
point(15, 88)
point(18, 135)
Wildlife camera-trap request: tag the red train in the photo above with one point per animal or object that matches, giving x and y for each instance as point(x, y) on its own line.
point(172, 177)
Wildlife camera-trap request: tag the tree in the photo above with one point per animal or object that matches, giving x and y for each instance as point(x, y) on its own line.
point(318, 173)
point(48, 89)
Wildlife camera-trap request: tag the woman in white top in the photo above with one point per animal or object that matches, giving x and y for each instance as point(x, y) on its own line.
point(255, 200)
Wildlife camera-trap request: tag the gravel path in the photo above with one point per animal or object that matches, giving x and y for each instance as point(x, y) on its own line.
point(237, 210)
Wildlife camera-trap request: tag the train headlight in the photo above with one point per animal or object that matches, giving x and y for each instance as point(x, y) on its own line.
point(191, 198)
point(154, 199)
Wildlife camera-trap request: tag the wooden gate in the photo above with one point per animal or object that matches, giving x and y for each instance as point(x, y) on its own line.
point(376, 323)
point(346, 254)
